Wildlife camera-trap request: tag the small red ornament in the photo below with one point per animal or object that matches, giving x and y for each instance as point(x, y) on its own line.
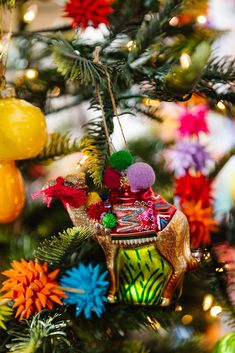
point(95, 210)
point(88, 12)
point(112, 178)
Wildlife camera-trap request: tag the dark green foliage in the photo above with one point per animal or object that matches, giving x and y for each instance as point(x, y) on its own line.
point(57, 146)
point(95, 146)
point(74, 66)
point(45, 329)
point(57, 250)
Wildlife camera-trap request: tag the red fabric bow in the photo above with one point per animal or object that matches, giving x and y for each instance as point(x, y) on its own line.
point(66, 194)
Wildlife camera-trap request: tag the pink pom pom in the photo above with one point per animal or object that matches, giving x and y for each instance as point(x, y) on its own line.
point(140, 176)
point(112, 178)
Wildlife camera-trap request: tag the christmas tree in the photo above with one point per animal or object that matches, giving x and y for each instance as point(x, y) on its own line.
point(99, 266)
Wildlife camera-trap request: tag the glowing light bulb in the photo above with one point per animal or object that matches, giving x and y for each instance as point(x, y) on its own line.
point(30, 13)
point(221, 105)
point(202, 19)
point(215, 310)
point(151, 102)
point(31, 74)
point(174, 21)
point(178, 308)
point(1, 47)
point(187, 319)
point(185, 60)
point(130, 45)
point(207, 302)
point(82, 161)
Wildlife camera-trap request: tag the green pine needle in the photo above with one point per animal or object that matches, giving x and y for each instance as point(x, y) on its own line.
point(57, 250)
point(43, 328)
point(73, 66)
point(5, 312)
point(133, 347)
point(57, 146)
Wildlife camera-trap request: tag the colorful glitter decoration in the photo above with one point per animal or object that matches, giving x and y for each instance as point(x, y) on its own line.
point(145, 239)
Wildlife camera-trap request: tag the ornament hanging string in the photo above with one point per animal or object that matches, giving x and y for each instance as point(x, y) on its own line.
point(115, 109)
point(97, 60)
point(9, 36)
point(3, 65)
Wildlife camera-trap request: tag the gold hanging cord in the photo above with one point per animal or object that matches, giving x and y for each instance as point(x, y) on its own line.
point(111, 147)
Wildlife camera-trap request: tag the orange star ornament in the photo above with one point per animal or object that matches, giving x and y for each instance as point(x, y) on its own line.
point(32, 287)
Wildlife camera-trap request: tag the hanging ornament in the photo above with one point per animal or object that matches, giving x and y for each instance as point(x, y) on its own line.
point(145, 239)
point(226, 344)
point(22, 129)
point(88, 12)
point(12, 194)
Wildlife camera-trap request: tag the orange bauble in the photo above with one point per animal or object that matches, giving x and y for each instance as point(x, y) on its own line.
point(12, 194)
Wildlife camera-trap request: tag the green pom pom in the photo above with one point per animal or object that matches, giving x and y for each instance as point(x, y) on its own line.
point(109, 220)
point(121, 160)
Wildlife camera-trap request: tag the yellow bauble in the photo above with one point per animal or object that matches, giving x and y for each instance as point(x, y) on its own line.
point(12, 194)
point(22, 129)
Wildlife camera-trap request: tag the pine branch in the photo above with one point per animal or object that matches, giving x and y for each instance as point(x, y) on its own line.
point(73, 66)
point(57, 250)
point(94, 143)
point(133, 347)
point(57, 146)
point(43, 328)
point(220, 70)
point(221, 163)
point(150, 30)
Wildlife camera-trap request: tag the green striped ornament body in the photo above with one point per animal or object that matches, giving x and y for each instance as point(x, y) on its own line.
point(141, 275)
point(226, 344)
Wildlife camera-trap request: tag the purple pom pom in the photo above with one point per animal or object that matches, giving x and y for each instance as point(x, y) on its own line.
point(140, 176)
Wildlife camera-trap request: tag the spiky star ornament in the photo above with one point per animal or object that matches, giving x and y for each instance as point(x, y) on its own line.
point(86, 13)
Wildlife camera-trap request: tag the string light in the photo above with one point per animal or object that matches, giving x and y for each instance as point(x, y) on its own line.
point(207, 302)
point(30, 13)
point(187, 319)
point(202, 19)
point(151, 102)
point(221, 105)
point(31, 74)
point(178, 308)
point(154, 323)
point(174, 21)
point(82, 161)
point(215, 310)
point(219, 269)
point(185, 60)
point(130, 45)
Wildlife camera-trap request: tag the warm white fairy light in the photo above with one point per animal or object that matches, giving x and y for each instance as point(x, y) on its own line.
point(221, 105)
point(178, 308)
point(151, 102)
point(185, 60)
point(215, 310)
point(130, 45)
point(174, 21)
point(31, 74)
point(207, 302)
point(187, 319)
point(202, 19)
point(30, 13)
